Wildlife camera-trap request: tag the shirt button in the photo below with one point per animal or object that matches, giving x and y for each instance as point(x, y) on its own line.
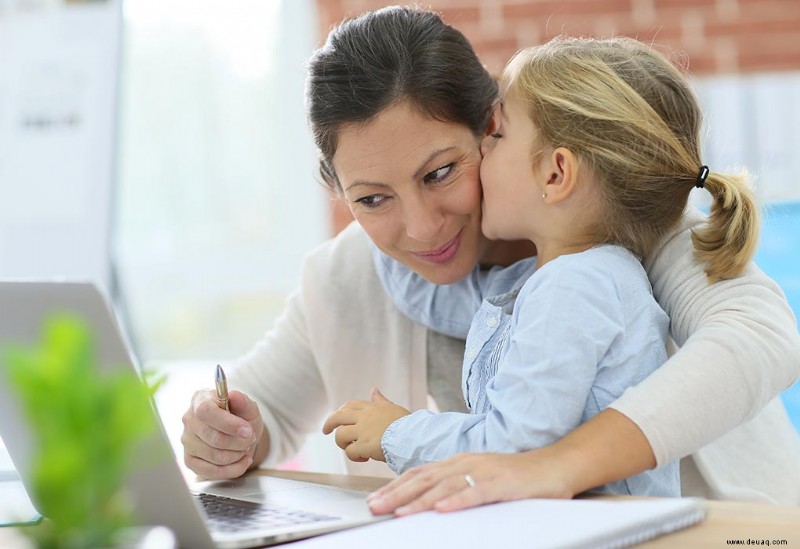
point(471, 353)
point(492, 322)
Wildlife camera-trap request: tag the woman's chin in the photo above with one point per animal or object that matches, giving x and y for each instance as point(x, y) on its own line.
point(445, 273)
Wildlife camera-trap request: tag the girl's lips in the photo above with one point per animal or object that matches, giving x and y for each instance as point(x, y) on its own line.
point(443, 254)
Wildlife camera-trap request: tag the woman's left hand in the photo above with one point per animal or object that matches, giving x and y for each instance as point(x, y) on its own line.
point(468, 480)
point(360, 424)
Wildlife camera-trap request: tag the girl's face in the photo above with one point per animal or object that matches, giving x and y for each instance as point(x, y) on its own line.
point(509, 175)
point(412, 182)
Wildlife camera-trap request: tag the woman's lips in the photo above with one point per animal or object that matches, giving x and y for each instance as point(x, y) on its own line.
point(443, 254)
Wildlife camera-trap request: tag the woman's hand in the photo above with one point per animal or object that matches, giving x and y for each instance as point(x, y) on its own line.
point(468, 480)
point(360, 425)
point(218, 444)
point(606, 448)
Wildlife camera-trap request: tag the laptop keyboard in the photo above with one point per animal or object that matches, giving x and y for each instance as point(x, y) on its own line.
point(235, 515)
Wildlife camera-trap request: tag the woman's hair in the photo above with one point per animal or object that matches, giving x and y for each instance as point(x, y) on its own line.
point(629, 116)
point(387, 56)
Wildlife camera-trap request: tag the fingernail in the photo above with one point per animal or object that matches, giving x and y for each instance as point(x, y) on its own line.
point(373, 497)
point(402, 510)
point(245, 432)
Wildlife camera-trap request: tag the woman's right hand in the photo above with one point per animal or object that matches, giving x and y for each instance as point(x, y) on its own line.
point(218, 444)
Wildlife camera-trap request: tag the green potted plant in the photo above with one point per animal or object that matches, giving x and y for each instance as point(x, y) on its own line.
point(85, 425)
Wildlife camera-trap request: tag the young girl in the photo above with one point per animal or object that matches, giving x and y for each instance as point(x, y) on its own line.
point(594, 151)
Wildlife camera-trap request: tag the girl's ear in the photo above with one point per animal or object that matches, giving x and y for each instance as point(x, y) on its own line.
point(560, 175)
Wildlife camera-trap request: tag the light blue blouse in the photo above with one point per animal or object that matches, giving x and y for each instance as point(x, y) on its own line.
point(546, 350)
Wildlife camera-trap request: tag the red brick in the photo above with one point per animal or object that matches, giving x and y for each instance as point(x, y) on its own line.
point(769, 10)
point(669, 37)
point(548, 8)
point(455, 16)
point(765, 31)
point(701, 65)
point(742, 28)
point(495, 45)
point(772, 61)
point(661, 4)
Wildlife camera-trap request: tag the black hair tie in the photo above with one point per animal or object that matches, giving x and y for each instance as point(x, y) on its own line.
point(701, 177)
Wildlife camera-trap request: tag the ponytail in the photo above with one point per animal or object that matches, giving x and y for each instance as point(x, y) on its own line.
point(729, 240)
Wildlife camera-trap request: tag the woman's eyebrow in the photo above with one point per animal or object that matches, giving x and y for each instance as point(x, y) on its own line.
point(424, 166)
point(364, 183)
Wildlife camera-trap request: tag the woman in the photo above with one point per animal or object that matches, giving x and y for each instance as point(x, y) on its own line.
point(399, 103)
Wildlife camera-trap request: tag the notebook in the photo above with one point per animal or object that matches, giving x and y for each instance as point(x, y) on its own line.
point(248, 512)
point(538, 523)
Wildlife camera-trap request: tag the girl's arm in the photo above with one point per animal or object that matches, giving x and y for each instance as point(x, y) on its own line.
point(447, 308)
point(544, 379)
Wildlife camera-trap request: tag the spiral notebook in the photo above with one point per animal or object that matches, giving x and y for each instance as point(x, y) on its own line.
point(528, 523)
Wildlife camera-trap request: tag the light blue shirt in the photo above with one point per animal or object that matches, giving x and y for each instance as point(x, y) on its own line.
point(546, 350)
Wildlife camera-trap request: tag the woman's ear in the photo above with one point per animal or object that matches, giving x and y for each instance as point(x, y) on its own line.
point(560, 175)
point(494, 120)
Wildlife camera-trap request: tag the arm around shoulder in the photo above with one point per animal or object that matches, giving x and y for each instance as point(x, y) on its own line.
point(739, 348)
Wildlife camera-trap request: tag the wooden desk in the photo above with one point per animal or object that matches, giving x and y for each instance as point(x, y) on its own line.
point(726, 520)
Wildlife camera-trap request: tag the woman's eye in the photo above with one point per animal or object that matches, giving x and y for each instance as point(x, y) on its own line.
point(372, 201)
point(439, 174)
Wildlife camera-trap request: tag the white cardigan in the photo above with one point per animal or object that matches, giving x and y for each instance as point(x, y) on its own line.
point(340, 335)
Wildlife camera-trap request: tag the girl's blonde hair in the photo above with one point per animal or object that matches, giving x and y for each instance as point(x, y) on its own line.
point(629, 116)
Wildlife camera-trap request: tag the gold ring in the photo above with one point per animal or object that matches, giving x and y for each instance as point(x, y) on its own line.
point(469, 480)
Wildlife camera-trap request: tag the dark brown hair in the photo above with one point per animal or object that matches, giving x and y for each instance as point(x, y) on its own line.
point(390, 55)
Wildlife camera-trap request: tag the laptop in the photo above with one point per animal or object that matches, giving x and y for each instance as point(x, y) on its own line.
point(247, 512)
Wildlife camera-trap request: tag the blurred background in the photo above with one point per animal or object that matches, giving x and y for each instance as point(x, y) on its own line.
point(160, 147)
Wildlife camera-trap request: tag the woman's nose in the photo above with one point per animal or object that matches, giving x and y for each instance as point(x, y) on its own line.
point(423, 219)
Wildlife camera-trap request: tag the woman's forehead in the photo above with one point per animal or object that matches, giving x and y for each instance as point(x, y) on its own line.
point(399, 140)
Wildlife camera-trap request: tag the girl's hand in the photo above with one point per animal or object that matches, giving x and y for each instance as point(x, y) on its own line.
point(468, 480)
point(360, 425)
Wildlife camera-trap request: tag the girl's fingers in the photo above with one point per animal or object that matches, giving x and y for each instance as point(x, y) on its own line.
point(345, 436)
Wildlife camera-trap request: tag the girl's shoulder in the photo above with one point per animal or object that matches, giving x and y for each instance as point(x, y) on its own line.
point(605, 269)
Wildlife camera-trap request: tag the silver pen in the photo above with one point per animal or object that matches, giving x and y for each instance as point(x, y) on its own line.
point(222, 389)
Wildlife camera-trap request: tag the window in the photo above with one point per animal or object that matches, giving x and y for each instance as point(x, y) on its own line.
point(218, 199)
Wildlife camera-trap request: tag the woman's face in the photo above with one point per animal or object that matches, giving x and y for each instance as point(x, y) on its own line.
point(413, 184)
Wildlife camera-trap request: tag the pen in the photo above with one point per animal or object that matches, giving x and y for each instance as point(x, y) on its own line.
point(222, 389)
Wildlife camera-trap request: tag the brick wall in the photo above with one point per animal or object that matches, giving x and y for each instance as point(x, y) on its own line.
point(717, 36)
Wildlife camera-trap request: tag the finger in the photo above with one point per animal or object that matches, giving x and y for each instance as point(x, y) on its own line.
point(354, 405)
point(216, 472)
point(339, 418)
point(214, 437)
point(470, 497)
point(206, 410)
point(404, 489)
point(358, 451)
point(345, 436)
point(444, 488)
point(377, 396)
point(194, 446)
point(242, 406)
